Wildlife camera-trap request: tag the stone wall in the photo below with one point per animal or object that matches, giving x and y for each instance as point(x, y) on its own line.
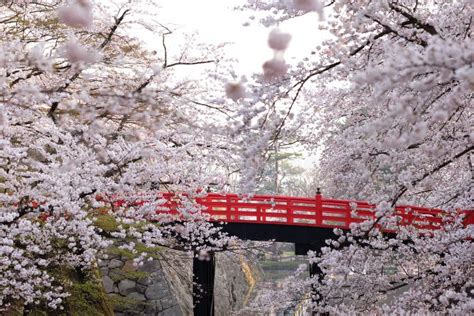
point(163, 287)
point(142, 290)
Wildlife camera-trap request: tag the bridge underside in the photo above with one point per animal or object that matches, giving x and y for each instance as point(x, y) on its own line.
point(304, 237)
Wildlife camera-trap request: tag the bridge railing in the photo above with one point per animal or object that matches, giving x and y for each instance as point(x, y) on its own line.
point(301, 211)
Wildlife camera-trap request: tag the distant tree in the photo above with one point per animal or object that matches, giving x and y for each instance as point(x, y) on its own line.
point(282, 174)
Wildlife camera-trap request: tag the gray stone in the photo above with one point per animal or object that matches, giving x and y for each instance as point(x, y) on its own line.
point(151, 267)
point(136, 296)
point(115, 263)
point(140, 288)
point(144, 281)
point(108, 284)
point(156, 291)
point(110, 256)
point(174, 311)
point(158, 306)
point(151, 308)
point(167, 303)
point(117, 274)
point(137, 312)
point(104, 271)
point(102, 263)
point(126, 287)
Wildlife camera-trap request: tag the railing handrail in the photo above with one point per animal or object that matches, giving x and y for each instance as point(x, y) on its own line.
point(303, 211)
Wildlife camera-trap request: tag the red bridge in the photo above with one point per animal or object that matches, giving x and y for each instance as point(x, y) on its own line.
point(306, 222)
point(312, 212)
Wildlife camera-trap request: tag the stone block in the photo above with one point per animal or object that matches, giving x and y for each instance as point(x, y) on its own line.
point(144, 281)
point(136, 296)
point(150, 267)
point(117, 274)
point(174, 311)
point(108, 284)
point(167, 302)
point(115, 263)
point(140, 288)
point(129, 267)
point(156, 291)
point(126, 287)
point(151, 308)
point(104, 270)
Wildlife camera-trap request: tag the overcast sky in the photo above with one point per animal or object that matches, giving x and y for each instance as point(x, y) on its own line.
point(216, 21)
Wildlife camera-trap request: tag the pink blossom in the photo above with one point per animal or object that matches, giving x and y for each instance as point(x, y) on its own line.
point(308, 5)
point(78, 14)
point(76, 53)
point(274, 68)
point(278, 40)
point(235, 91)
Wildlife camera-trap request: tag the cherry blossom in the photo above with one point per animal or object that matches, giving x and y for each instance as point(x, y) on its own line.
point(278, 40)
point(274, 68)
point(235, 91)
point(78, 13)
point(387, 101)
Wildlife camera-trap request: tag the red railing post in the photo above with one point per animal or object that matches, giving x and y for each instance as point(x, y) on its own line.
point(289, 211)
point(228, 208)
point(348, 215)
point(319, 208)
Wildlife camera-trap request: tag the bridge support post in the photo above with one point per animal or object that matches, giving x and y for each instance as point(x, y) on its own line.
point(203, 285)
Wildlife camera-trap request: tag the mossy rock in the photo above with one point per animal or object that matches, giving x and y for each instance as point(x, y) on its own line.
point(121, 303)
point(139, 247)
point(125, 253)
point(118, 275)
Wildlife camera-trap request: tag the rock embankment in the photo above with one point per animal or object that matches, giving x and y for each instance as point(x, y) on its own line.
point(163, 287)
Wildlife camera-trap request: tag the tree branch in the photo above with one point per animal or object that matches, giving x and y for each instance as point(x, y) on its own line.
point(105, 42)
point(415, 21)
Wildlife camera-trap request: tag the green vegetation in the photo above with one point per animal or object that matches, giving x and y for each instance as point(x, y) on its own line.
point(131, 275)
point(107, 223)
point(121, 252)
point(139, 247)
point(87, 297)
point(124, 303)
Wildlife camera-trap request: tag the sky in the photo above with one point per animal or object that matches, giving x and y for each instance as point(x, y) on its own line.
point(216, 21)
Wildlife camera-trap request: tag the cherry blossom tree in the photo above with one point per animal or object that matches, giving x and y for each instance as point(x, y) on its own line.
point(94, 124)
point(388, 98)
